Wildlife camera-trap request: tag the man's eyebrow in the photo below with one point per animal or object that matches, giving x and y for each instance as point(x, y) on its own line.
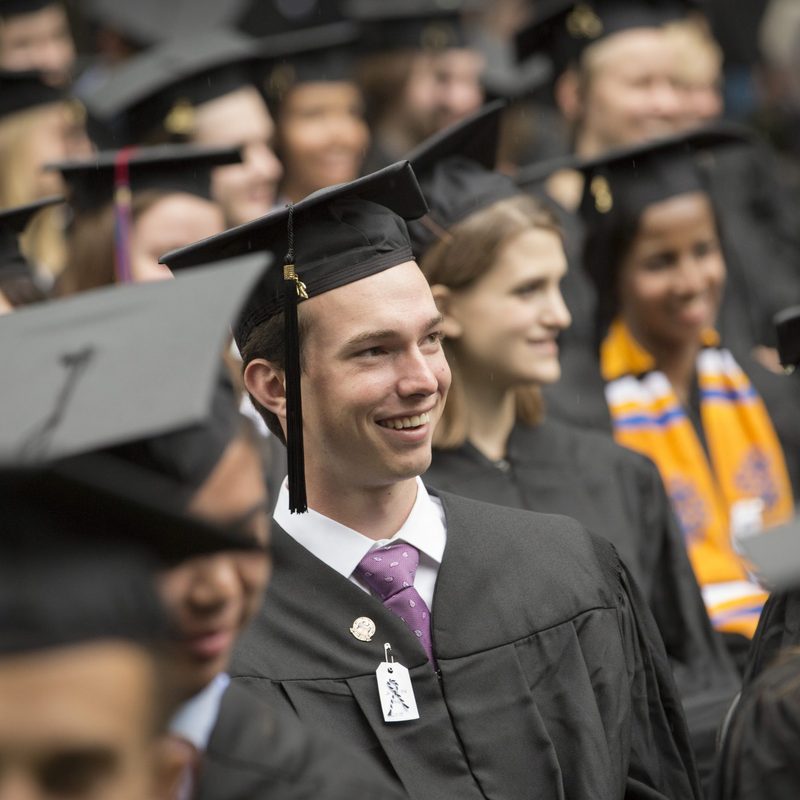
point(387, 333)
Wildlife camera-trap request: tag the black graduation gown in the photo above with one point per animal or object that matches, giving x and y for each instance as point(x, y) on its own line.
point(257, 752)
point(758, 758)
point(618, 494)
point(552, 682)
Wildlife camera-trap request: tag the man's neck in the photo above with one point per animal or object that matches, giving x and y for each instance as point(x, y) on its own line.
point(375, 512)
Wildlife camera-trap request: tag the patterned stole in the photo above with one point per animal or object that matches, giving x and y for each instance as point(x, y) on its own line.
point(738, 487)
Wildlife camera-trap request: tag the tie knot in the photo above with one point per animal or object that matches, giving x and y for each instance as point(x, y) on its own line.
point(388, 570)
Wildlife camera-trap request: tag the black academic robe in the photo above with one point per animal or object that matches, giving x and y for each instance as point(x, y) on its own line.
point(758, 757)
point(559, 469)
point(260, 752)
point(551, 683)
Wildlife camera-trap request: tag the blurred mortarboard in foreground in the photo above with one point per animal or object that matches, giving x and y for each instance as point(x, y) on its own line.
point(145, 23)
point(321, 53)
point(18, 8)
point(774, 555)
point(13, 222)
point(630, 179)
point(93, 181)
point(430, 25)
point(787, 326)
point(59, 587)
point(23, 90)
point(455, 169)
point(563, 29)
point(152, 95)
point(118, 364)
point(333, 237)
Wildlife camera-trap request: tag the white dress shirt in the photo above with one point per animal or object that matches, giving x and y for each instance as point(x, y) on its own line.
point(196, 718)
point(342, 548)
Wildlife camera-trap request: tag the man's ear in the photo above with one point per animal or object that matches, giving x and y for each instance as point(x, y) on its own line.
point(568, 94)
point(444, 298)
point(267, 385)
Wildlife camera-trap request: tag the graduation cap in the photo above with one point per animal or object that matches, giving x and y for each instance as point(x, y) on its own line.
point(504, 80)
point(275, 17)
point(117, 365)
point(148, 22)
point(625, 181)
point(153, 94)
point(93, 181)
point(774, 555)
point(787, 326)
point(565, 28)
point(431, 25)
point(321, 53)
point(13, 222)
point(331, 238)
point(455, 169)
point(22, 90)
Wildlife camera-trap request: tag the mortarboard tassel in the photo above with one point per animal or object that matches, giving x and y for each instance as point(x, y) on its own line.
point(293, 291)
point(122, 215)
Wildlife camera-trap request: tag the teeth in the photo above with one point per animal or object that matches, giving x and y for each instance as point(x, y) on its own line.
point(406, 422)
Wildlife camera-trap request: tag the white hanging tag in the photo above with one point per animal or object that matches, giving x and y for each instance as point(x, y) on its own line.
point(395, 690)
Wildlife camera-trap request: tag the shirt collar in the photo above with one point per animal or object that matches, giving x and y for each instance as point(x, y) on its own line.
point(196, 718)
point(341, 548)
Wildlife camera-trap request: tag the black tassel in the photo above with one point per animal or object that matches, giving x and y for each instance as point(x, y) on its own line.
point(293, 291)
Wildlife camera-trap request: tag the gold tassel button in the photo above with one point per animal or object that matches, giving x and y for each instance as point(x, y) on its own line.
point(289, 274)
point(180, 120)
point(601, 191)
point(583, 23)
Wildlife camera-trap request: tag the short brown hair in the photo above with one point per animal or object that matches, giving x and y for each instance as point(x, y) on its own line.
point(267, 341)
point(458, 261)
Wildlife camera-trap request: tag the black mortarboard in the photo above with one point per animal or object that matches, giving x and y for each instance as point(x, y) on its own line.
point(13, 222)
point(627, 180)
point(17, 8)
point(507, 81)
point(92, 182)
point(331, 238)
point(118, 364)
point(411, 25)
point(153, 94)
point(20, 91)
point(147, 22)
point(321, 53)
point(787, 326)
point(455, 169)
point(564, 28)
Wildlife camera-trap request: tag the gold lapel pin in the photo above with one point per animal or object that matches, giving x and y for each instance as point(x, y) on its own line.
point(363, 629)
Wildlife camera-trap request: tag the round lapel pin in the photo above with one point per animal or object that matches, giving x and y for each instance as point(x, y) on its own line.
point(363, 629)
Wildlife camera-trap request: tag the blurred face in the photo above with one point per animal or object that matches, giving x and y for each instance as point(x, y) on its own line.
point(78, 723)
point(374, 380)
point(672, 279)
point(323, 136)
point(505, 324)
point(631, 96)
point(173, 221)
point(457, 73)
point(247, 190)
point(39, 41)
point(212, 598)
point(419, 100)
point(58, 135)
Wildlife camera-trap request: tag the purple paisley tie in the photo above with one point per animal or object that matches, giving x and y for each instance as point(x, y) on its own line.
point(389, 572)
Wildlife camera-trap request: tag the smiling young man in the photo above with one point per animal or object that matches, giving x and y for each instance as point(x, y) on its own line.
point(472, 651)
